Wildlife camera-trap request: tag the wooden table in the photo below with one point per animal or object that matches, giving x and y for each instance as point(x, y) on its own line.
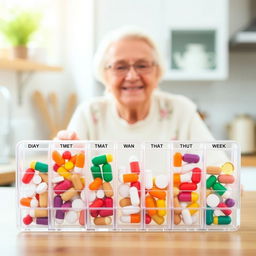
point(7, 172)
point(242, 242)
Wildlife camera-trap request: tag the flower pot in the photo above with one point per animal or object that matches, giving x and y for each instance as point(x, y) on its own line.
point(20, 52)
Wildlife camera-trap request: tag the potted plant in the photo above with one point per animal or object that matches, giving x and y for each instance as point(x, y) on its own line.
point(18, 30)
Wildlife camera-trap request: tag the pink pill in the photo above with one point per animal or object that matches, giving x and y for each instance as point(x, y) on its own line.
point(62, 186)
point(226, 179)
point(223, 207)
point(28, 176)
point(191, 158)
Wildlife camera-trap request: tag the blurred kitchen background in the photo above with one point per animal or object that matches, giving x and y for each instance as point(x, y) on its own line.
point(209, 48)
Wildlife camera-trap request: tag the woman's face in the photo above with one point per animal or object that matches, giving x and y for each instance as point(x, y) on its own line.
point(131, 74)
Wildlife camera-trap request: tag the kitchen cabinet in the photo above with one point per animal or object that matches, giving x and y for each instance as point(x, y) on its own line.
point(192, 35)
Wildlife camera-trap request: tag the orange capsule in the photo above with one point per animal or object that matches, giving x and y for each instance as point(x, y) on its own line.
point(82, 218)
point(135, 218)
point(25, 201)
point(73, 159)
point(177, 160)
point(150, 203)
point(57, 158)
point(80, 158)
point(129, 177)
point(95, 185)
point(158, 193)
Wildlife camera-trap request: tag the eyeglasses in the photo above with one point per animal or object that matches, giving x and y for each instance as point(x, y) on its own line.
point(141, 68)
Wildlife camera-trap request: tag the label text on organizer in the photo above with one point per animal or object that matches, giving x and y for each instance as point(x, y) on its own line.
point(33, 145)
point(186, 145)
point(66, 145)
point(128, 145)
point(156, 145)
point(101, 145)
point(219, 145)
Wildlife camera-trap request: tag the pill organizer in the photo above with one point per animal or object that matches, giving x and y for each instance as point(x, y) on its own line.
point(128, 186)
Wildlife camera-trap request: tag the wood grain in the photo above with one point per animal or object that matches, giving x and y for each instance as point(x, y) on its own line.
point(242, 242)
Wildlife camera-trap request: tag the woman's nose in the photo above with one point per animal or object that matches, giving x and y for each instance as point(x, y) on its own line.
point(131, 74)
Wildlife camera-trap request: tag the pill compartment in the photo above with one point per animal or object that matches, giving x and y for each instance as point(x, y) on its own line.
point(101, 180)
point(32, 185)
point(67, 169)
point(222, 195)
point(130, 193)
point(187, 160)
point(157, 182)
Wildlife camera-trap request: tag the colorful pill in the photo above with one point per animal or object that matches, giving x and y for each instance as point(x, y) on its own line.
point(223, 208)
point(96, 172)
point(221, 220)
point(69, 165)
point(161, 205)
point(177, 206)
point(212, 200)
point(79, 163)
point(227, 168)
point(158, 219)
point(25, 201)
point(62, 186)
point(63, 172)
point(82, 217)
point(43, 199)
point(193, 208)
point(57, 201)
point(191, 158)
point(108, 190)
point(103, 159)
point(133, 218)
point(44, 177)
point(134, 165)
point(150, 205)
point(188, 196)
point(125, 202)
point(219, 188)
point(158, 193)
point(188, 186)
point(177, 219)
point(180, 178)
point(107, 172)
point(147, 219)
point(27, 220)
point(42, 220)
point(136, 184)
point(76, 181)
point(230, 202)
point(102, 221)
point(95, 185)
point(128, 177)
point(209, 216)
point(226, 179)
point(211, 181)
point(28, 176)
point(98, 203)
point(66, 155)
point(69, 194)
point(196, 175)
point(57, 158)
point(214, 170)
point(177, 160)
point(41, 167)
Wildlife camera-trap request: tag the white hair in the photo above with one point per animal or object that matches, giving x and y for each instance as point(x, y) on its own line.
point(100, 57)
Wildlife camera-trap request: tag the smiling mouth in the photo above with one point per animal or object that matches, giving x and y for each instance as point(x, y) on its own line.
point(133, 88)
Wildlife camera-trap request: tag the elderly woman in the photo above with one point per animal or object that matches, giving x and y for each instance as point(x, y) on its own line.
point(129, 66)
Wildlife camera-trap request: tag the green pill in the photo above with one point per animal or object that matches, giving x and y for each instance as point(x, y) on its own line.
point(219, 188)
point(209, 216)
point(96, 172)
point(41, 167)
point(107, 172)
point(222, 220)
point(211, 181)
point(103, 159)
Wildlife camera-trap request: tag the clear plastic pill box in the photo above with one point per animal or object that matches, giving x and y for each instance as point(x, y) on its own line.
point(128, 186)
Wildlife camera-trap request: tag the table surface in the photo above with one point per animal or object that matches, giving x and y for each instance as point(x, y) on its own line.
point(242, 242)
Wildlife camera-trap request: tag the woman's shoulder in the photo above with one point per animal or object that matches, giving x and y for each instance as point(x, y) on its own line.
point(175, 101)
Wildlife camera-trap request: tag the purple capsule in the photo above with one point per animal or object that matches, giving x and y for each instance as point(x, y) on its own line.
point(42, 220)
point(67, 204)
point(60, 214)
point(230, 202)
point(191, 158)
point(57, 201)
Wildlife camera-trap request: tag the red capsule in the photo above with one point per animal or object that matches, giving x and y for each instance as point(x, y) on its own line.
point(27, 220)
point(62, 186)
point(98, 203)
point(196, 175)
point(56, 167)
point(66, 155)
point(28, 175)
point(188, 186)
point(136, 184)
point(108, 202)
point(225, 209)
point(147, 219)
point(134, 165)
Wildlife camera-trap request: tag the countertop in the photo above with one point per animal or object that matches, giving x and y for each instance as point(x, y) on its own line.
point(242, 242)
